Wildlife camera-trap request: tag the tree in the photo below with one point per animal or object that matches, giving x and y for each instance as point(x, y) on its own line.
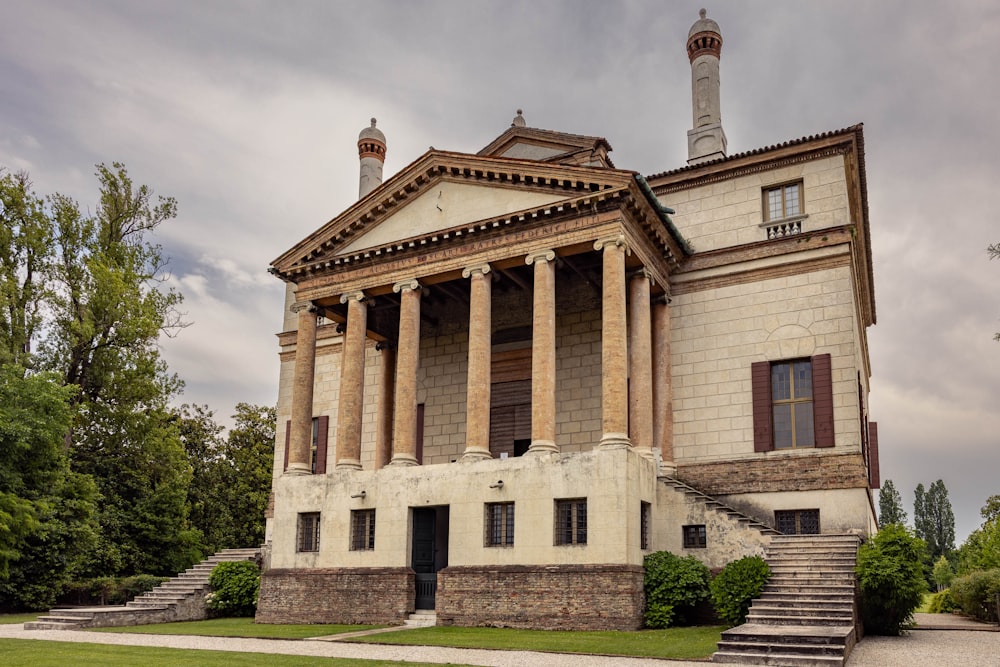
point(890, 579)
point(934, 519)
point(991, 510)
point(890, 505)
point(46, 511)
point(207, 509)
point(942, 574)
point(250, 451)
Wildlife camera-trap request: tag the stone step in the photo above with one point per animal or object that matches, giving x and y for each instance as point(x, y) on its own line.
point(760, 648)
point(777, 659)
point(791, 619)
point(811, 579)
point(774, 635)
point(53, 625)
point(805, 602)
point(422, 618)
point(810, 610)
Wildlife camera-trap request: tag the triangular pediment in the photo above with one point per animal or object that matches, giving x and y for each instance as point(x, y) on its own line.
point(530, 143)
point(442, 191)
point(446, 205)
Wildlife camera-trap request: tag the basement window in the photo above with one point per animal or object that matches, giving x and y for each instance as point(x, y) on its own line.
point(797, 522)
point(308, 532)
point(499, 524)
point(362, 530)
point(571, 521)
point(645, 509)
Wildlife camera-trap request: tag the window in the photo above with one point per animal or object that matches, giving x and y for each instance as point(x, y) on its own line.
point(644, 512)
point(783, 201)
point(317, 448)
point(362, 530)
point(500, 524)
point(792, 403)
point(308, 532)
point(571, 521)
point(797, 522)
point(695, 537)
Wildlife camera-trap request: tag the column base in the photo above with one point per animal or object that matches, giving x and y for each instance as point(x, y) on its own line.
point(404, 460)
point(615, 441)
point(543, 447)
point(646, 453)
point(473, 454)
point(668, 468)
point(298, 469)
point(348, 464)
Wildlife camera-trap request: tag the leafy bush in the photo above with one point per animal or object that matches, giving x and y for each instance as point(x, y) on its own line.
point(978, 594)
point(109, 590)
point(674, 586)
point(942, 603)
point(736, 586)
point(234, 589)
point(891, 579)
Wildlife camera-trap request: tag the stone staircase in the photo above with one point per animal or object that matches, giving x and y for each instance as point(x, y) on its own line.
point(711, 503)
point(421, 618)
point(806, 614)
point(181, 598)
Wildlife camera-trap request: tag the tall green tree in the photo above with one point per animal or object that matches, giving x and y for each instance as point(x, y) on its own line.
point(991, 510)
point(47, 512)
point(934, 519)
point(249, 449)
point(206, 498)
point(890, 505)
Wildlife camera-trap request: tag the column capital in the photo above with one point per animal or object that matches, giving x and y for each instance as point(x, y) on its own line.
point(642, 272)
point(411, 284)
point(476, 270)
point(540, 256)
point(359, 295)
point(299, 306)
point(385, 345)
point(617, 241)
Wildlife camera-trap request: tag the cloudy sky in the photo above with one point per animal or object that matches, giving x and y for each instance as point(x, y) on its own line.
point(248, 113)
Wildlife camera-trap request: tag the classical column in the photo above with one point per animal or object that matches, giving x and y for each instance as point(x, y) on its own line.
point(640, 364)
point(352, 381)
point(386, 398)
point(300, 437)
point(543, 354)
point(663, 410)
point(404, 422)
point(477, 404)
point(614, 345)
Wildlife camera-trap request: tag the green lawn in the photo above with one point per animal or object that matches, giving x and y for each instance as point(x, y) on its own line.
point(35, 653)
point(238, 627)
point(9, 619)
point(675, 643)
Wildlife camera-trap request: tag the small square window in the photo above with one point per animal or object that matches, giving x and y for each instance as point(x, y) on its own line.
point(571, 521)
point(362, 530)
point(783, 201)
point(499, 524)
point(797, 522)
point(308, 532)
point(644, 515)
point(695, 537)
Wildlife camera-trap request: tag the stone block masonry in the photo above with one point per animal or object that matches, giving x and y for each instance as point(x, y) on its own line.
point(341, 595)
point(777, 472)
point(548, 597)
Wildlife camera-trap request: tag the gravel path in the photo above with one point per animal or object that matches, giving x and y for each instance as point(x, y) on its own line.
point(930, 648)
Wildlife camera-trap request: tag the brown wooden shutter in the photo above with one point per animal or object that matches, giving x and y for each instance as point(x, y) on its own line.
point(288, 439)
point(420, 434)
point(760, 383)
point(823, 400)
point(874, 475)
point(322, 427)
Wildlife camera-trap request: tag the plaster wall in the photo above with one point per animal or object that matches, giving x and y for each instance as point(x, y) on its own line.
point(730, 212)
point(840, 510)
point(614, 482)
point(718, 333)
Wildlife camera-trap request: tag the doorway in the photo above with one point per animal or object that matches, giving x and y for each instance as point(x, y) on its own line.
point(429, 552)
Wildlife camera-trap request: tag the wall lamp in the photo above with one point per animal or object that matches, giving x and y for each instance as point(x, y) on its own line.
point(359, 495)
point(498, 485)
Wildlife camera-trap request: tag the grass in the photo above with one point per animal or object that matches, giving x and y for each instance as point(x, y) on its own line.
point(10, 619)
point(34, 653)
point(675, 643)
point(925, 605)
point(238, 627)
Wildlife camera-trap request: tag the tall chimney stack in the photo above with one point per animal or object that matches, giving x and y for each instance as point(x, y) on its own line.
point(371, 150)
point(706, 140)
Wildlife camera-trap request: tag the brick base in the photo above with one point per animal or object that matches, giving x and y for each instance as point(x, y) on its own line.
point(542, 597)
point(777, 472)
point(342, 595)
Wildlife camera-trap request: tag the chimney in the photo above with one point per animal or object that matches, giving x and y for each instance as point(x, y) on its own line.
point(371, 150)
point(706, 140)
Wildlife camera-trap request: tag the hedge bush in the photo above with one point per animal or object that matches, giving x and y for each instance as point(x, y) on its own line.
point(942, 603)
point(891, 579)
point(978, 594)
point(109, 590)
point(674, 586)
point(234, 589)
point(736, 586)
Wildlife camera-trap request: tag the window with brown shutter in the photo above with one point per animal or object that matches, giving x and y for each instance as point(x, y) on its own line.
point(317, 449)
point(874, 474)
point(792, 403)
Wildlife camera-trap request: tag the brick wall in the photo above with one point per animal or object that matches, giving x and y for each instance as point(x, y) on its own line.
point(343, 595)
point(777, 472)
point(552, 597)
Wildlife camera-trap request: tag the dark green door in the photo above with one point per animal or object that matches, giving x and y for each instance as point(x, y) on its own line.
point(423, 560)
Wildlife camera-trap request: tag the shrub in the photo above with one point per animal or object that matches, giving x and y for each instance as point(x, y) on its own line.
point(674, 586)
point(736, 586)
point(109, 590)
point(978, 594)
point(942, 603)
point(234, 589)
point(891, 579)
